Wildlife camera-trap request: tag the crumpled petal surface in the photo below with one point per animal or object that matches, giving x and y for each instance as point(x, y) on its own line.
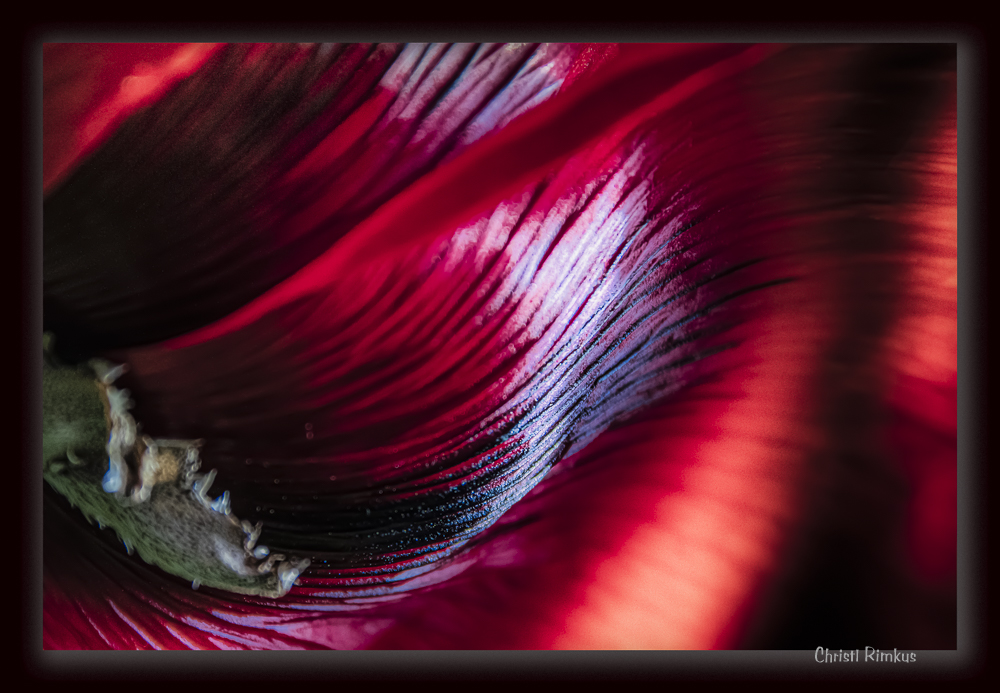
point(572, 403)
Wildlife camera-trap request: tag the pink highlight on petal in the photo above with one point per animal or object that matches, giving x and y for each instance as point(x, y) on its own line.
point(346, 135)
point(89, 89)
point(617, 101)
point(923, 353)
point(420, 104)
point(720, 507)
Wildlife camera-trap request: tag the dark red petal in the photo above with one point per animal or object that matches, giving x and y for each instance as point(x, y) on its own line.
point(90, 88)
point(402, 406)
point(662, 533)
point(922, 399)
point(640, 84)
point(223, 180)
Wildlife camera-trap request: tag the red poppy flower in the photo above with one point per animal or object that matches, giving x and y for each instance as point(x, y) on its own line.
point(525, 346)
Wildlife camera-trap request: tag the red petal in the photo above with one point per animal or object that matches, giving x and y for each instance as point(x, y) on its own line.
point(247, 169)
point(666, 531)
point(90, 88)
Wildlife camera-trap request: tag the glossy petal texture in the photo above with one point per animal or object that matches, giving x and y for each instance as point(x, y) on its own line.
point(251, 167)
point(615, 261)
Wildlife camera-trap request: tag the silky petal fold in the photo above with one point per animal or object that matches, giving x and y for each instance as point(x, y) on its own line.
point(396, 425)
point(543, 346)
point(246, 170)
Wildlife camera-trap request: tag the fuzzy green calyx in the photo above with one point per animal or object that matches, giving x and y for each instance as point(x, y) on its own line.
point(74, 416)
point(148, 490)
